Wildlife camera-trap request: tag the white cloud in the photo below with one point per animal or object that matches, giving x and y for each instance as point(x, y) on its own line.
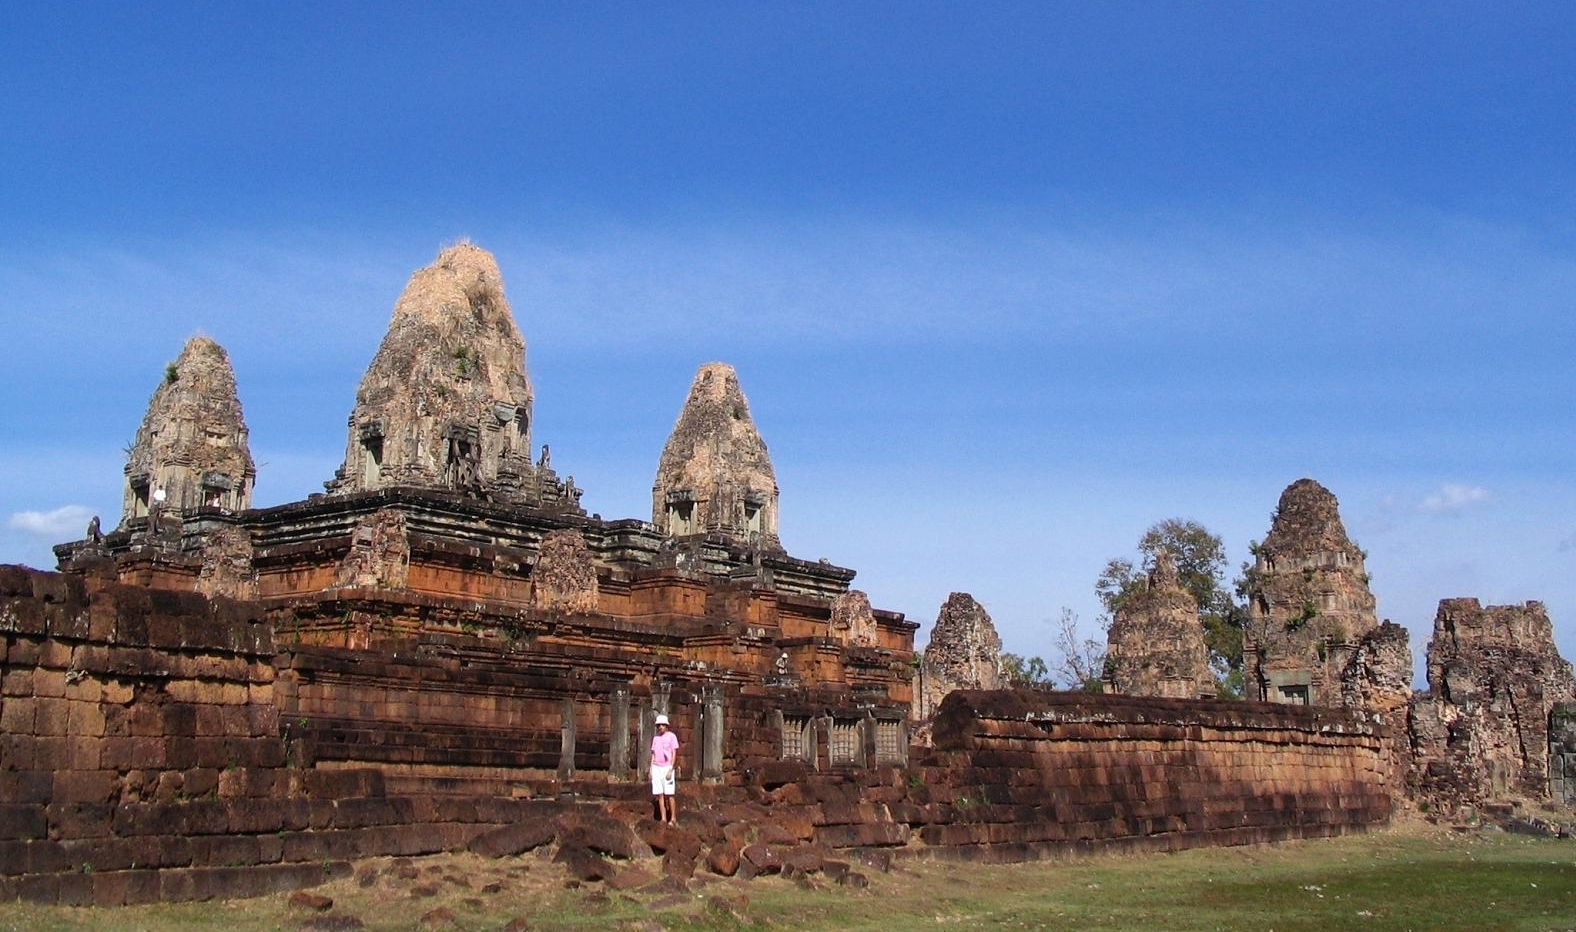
point(68, 522)
point(1452, 498)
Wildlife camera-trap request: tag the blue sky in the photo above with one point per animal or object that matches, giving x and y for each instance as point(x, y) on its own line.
point(1005, 283)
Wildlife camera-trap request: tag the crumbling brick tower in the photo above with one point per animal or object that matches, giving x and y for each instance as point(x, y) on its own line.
point(715, 476)
point(1494, 678)
point(964, 652)
point(1309, 603)
point(1155, 646)
point(191, 450)
point(446, 402)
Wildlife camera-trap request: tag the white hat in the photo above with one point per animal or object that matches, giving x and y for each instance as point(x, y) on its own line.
point(662, 719)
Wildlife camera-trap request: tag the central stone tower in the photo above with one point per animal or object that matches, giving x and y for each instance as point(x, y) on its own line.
point(446, 403)
point(715, 476)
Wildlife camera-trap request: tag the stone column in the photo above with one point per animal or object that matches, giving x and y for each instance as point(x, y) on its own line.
point(713, 720)
point(566, 742)
point(643, 749)
point(618, 738)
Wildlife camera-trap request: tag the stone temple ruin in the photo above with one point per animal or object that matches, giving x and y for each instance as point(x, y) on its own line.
point(440, 539)
point(1308, 600)
point(1156, 640)
point(964, 653)
point(191, 450)
point(714, 475)
point(1497, 686)
point(444, 651)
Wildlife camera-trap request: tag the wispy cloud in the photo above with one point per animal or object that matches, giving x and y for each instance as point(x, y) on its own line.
point(1452, 498)
point(66, 521)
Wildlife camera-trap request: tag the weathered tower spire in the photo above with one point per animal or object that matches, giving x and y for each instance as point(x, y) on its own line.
point(446, 403)
point(715, 475)
point(191, 451)
point(1308, 600)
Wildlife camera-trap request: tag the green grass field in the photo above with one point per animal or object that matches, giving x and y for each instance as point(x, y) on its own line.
point(1408, 878)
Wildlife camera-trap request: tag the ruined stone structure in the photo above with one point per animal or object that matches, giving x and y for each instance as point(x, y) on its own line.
point(1378, 677)
point(964, 652)
point(191, 451)
point(1308, 601)
point(446, 403)
point(853, 620)
point(161, 745)
point(446, 651)
point(1495, 679)
point(715, 476)
point(1155, 645)
point(1562, 754)
point(454, 618)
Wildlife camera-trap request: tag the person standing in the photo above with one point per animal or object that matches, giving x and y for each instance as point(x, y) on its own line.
point(664, 771)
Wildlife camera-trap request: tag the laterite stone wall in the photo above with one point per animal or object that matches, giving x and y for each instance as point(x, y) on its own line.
point(1018, 774)
point(152, 748)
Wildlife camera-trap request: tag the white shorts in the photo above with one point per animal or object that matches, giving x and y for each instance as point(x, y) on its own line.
point(662, 780)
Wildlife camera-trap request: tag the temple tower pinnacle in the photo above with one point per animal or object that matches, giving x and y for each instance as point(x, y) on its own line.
point(446, 403)
point(715, 475)
point(1309, 604)
point(191, 450)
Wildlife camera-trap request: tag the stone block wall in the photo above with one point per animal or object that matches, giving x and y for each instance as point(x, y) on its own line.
point(142, 757)
point(1562, 754)
point(1023, 773)
point(162, 746)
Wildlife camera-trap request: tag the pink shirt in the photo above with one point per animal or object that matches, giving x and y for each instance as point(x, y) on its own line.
point(663, 748)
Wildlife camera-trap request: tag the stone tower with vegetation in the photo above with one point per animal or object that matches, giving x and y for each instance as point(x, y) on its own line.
point(1309, 605)
point(714, 476)
point(446, 403)
point(191, 451)
point(1155, 645)
point(964, 653)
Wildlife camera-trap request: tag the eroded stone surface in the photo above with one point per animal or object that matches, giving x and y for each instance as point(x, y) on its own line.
point(1494, 676)
point(379, 554)
point(1155, 646)
point(565, 575)
point(227, 564)
point(715, 475)
point(446, 402)
point(853, 621)
point(1378, 677)
point(964, 652)
point(192, 445)
point(1308, 601)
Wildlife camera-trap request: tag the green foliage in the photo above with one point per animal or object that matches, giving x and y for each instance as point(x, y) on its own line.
point(171, 372)
point(1024, 671)
point(1200, 558)
point(1309, 613)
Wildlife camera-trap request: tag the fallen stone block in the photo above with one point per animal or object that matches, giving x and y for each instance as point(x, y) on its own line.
point(584, 864)
point(511, 840)
point(723, 858)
